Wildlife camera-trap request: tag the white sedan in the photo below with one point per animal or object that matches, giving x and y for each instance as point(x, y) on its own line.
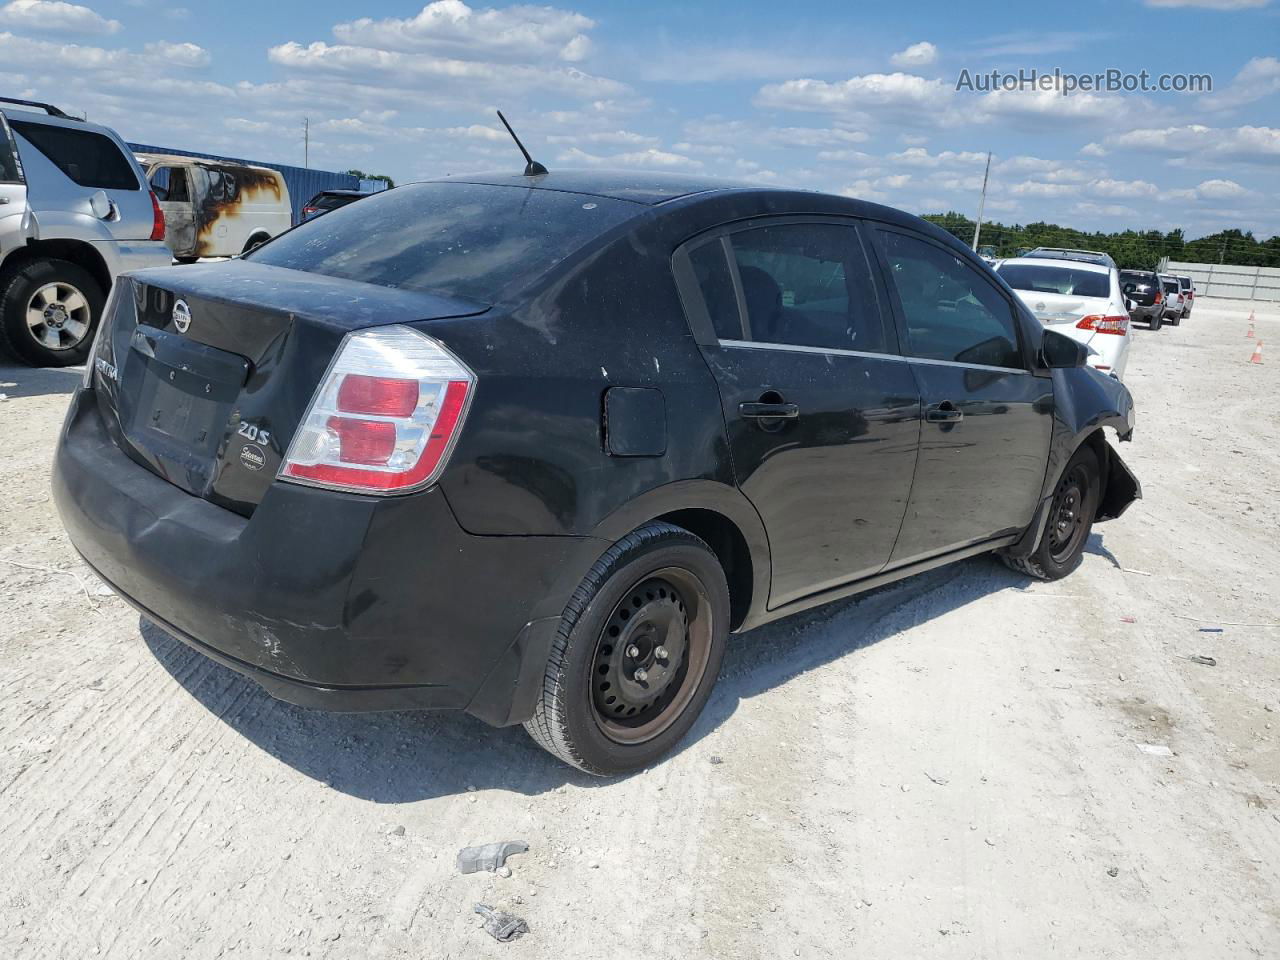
point(1079, 295)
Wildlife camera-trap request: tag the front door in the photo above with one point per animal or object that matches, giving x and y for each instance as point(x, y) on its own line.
point(984, 443)
point(823, 415)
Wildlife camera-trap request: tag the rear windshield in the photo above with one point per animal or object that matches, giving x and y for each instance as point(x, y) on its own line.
point(1171, 286)
point(331, 201)
point(88, 158)
point(1050, 279)
point(468, 240)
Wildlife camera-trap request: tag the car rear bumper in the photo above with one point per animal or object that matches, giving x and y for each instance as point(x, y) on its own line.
point(325, 599)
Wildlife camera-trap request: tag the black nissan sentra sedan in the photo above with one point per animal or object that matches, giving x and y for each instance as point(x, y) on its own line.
point(534, 447)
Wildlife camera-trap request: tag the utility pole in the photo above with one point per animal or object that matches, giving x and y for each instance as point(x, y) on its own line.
point(306, 142)
point(982, 202)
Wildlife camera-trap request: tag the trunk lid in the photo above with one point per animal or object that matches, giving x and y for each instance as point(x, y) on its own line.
point(203, 373)
point(1061, 312)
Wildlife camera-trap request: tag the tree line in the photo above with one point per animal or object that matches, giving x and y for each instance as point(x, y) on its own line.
point(1131, 249)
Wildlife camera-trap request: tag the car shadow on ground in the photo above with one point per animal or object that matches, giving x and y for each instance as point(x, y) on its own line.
point(404, 757)
point(17, 380)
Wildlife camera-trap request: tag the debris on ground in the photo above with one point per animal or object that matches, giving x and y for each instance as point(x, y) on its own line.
point(1127, 619)
point(501, 926)
point(716, 760)
point(1113, 872)
point(940, 781)
point(490, 856)
point(1202, 660)
point(1210, 629)
point(1155, 749)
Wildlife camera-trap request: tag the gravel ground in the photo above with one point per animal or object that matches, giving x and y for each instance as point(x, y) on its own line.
point(965, 764)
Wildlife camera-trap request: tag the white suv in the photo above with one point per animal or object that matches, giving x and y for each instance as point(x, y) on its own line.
point(1077, 293)
point(75, 211)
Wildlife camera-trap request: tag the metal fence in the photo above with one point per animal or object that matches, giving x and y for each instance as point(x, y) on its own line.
point(1227, 280)
point(303, 182)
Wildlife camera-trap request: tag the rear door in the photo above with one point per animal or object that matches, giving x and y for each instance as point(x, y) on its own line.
point(984, 443)
point(822, 413)
point(174, 189)
point(66, 164)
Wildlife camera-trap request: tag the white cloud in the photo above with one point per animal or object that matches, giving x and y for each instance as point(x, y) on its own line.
point(1258, 78)
point(650, 158)
point(450, 28)
point(1094, 150)
point(905, 90)
point(622, 138)
point(733, 61)
point(55, 16)
point(1036, 188)
point(180, 54)
point(408, 71)
point(920, 157)
point(1246, 144)
point(917, 55)
point(1105, 187)
point(1219, 190)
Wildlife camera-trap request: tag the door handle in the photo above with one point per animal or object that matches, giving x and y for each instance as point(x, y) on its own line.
point(769, 411)
point(944, 412)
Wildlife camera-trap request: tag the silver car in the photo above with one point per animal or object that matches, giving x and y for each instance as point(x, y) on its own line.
point(75, 211)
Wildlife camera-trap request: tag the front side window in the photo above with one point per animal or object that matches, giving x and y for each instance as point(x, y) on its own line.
point(87, 158)
point(952, 312)
point(170, 184)
point(808, 284)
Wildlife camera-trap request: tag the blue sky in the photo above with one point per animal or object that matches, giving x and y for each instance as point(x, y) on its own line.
point(832, 96)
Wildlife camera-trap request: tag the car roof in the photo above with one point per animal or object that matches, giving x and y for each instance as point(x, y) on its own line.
point(633, 185)
point(341, 192)
point(28, 115)
point(1051, 262)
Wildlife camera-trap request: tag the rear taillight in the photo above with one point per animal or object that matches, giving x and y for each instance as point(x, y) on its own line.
point(1159, 297)
point(157, 218)
point(385, 417)
point(1100, 324)
point(308, 211)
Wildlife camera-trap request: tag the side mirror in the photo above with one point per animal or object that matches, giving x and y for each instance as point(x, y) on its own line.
point(1057, 351)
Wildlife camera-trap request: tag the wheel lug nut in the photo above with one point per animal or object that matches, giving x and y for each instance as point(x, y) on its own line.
point(642, 675)
point(633, 651)
point(660, 653)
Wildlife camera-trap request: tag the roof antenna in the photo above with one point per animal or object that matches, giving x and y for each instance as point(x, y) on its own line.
point(532, 168)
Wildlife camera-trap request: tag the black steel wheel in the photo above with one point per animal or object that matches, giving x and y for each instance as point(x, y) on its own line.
point(637, 653)
point(1069, 521)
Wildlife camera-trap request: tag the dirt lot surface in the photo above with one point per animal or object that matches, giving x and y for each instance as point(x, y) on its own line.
point(962, 765)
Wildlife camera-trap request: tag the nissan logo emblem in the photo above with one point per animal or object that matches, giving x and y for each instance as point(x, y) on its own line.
point(181, 316)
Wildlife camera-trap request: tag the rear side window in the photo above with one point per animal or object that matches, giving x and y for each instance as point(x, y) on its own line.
point(469, 240)
point(1170, 286)
point(716, 283)
point(952, 312)
point(10, 171)
point(808, 284)
point(331, 201)
point(87, 158)
point(1067, 281)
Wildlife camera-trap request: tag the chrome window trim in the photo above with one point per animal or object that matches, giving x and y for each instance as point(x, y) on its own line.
point(969, 366)
point(800, 348)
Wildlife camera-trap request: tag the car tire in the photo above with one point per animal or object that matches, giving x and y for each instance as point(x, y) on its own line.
point(257, 240)
point(1177, 321)
point(71, 302)
point(186, 261)
point(1071, 513)
point(657, 588)
point(1155, 322)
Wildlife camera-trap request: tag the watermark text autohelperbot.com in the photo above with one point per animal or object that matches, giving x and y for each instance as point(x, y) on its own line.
point(1108, 81)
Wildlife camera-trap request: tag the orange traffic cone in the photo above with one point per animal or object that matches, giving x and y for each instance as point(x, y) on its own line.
point(1251, 316)
point(1257, 353)
point(1249, 335)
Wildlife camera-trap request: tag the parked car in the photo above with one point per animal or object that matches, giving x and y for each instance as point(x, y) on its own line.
point(538, 462)
point(1175, 301)
point(1145, 293)
point(215, 208)
point(1077, 293)
point(327, 200)
point(74, 213)
point(1188, 291)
